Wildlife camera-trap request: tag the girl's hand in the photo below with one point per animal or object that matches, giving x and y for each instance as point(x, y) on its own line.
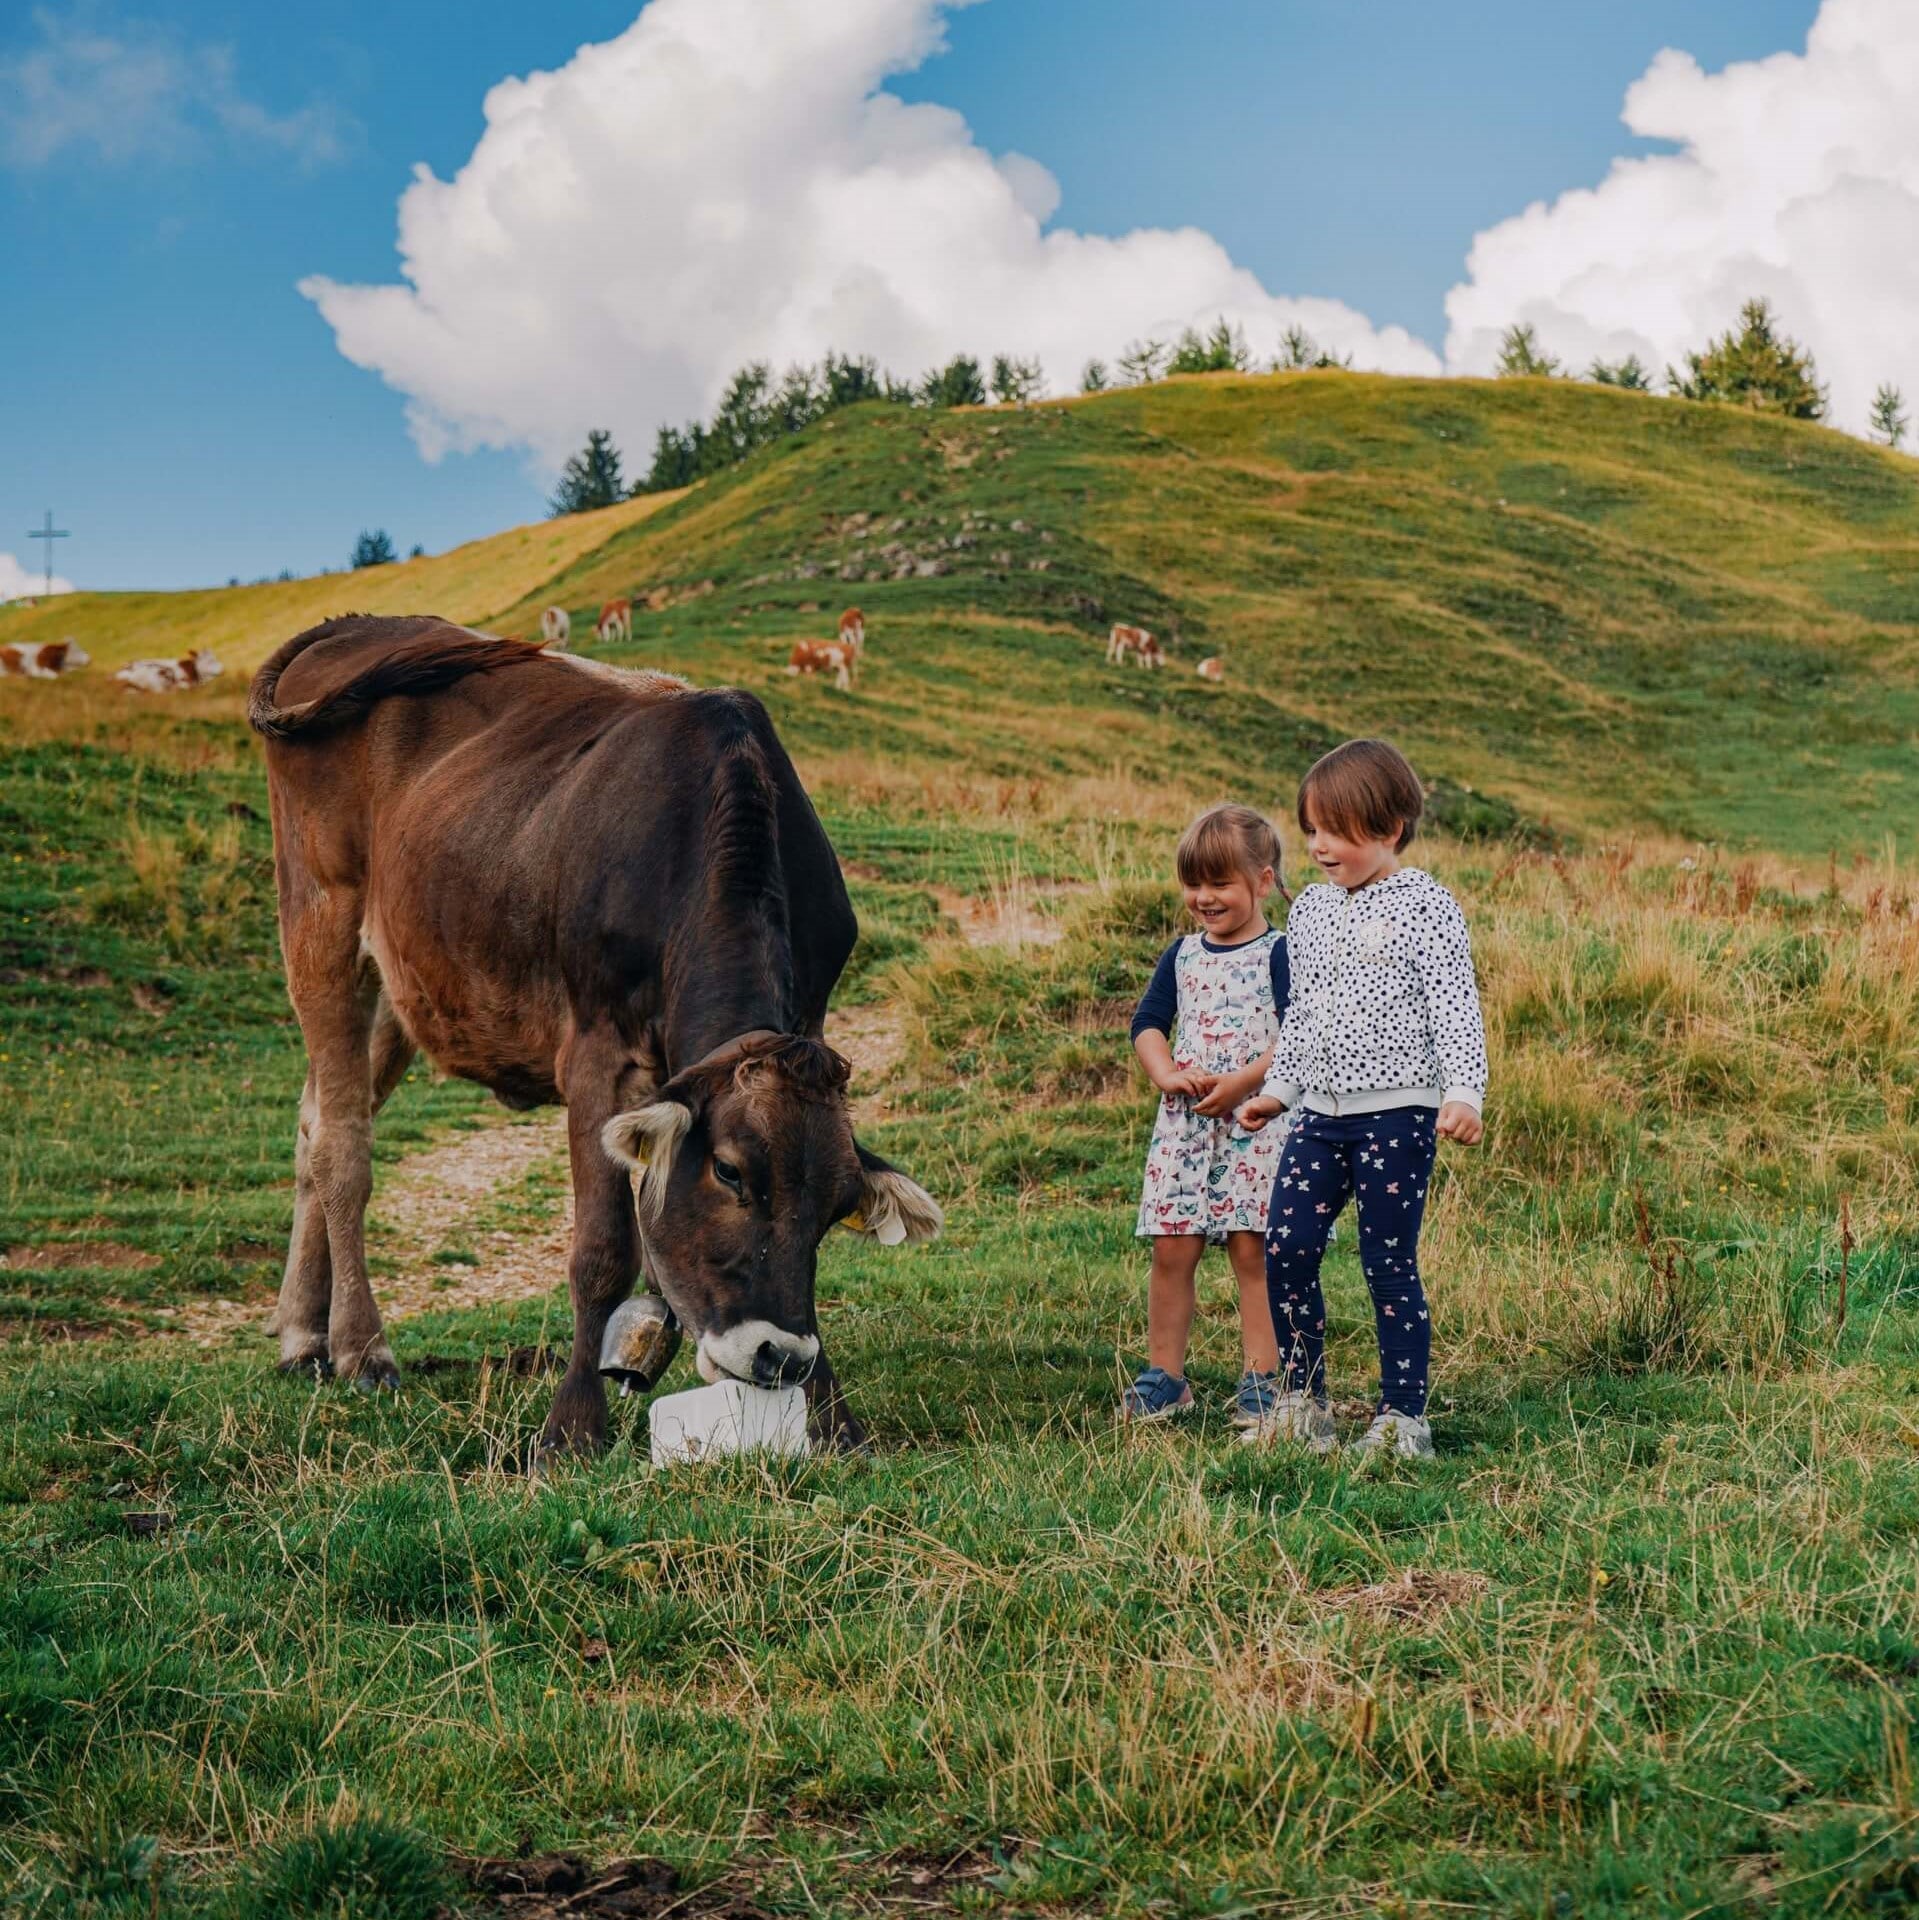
point(1258, 1110)
point(1228, 1091)
point(1458, 1121)
point(1189, 1082)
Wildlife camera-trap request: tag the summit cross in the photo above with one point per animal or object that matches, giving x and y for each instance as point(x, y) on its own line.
point(49, 533)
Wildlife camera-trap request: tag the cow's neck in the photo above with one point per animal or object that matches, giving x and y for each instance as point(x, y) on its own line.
point(731, 970)
point(727, 988)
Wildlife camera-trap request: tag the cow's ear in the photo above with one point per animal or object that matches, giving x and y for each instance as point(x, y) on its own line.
point(893, 1209)
point(646, 1138)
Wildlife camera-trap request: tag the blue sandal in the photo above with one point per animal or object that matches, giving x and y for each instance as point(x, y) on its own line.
point(1155, 1395)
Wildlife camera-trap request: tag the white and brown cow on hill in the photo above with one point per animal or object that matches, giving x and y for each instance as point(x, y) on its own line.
point(556, 628)
point(838, 657)
point(170, 676)
point(1134, 644)
point(1212, 670)
point(615, 622)
point(47, 661)
point(853, 628)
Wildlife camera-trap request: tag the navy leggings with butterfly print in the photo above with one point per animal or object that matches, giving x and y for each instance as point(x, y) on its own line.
point(1384, 1163)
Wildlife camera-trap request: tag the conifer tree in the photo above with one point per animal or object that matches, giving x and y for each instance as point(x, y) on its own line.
point(1521, 357)
point(1889, 415)
point(1754, 366)
point(590, 479)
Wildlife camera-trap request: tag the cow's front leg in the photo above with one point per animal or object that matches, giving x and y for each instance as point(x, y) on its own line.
point(600, 1273)
point(829, 1420)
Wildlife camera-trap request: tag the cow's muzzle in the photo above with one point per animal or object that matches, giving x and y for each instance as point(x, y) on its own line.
point(759, 1353)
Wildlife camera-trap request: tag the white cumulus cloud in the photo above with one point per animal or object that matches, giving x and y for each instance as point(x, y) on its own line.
point(1796, 178)
point(728, 181)
point(23, 583)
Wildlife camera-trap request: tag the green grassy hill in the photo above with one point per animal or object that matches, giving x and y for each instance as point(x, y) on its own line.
point(1610, 612)
point(1614, 611)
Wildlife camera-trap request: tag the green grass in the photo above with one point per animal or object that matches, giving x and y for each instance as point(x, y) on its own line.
point(1640, 1642)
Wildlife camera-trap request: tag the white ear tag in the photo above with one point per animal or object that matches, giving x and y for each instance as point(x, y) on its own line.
point(891, 1231)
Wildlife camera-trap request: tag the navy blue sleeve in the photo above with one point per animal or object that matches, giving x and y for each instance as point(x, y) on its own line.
point(1159, 1004)
point(1282, 977)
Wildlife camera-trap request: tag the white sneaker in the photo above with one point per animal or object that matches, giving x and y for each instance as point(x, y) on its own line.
point(1410, 1435)
point(1296, 1416)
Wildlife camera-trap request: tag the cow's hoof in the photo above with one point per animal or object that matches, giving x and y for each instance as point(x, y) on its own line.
point(310, 1366)
point(376, 1373)
point(641, 1338)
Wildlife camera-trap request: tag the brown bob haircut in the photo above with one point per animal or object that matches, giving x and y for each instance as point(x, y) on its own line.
point(1365, 790)
point(1224, 843)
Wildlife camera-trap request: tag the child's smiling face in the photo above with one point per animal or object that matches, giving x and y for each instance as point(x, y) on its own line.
point(1227, 909)
point(1348, 861)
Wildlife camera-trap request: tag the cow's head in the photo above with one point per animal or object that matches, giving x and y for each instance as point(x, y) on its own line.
point(745, 1160)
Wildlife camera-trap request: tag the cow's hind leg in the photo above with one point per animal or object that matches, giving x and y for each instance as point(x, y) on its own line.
point(336, 993)
point(604, 1262)
point(302, 1316)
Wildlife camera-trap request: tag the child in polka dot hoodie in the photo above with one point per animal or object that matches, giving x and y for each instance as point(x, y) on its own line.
point(1382, 1054)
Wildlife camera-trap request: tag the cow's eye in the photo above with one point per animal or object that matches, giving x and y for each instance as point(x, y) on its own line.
point(727, 1174)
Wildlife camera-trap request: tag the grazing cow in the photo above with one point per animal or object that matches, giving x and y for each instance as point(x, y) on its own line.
point(1213, 670)
point(1134, 644)
point(837, 657)
point(606, 890)
point(47, 661)
point(556, 628)
point(615, 622)
point(853, 628)
point(169, 676)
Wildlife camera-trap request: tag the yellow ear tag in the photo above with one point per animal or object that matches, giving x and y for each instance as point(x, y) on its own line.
point(854, 1223)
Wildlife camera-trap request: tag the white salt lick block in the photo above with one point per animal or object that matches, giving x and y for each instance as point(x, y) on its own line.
point(730, 1417)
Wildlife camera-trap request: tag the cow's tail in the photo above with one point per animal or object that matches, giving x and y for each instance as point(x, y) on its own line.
point(427, 655)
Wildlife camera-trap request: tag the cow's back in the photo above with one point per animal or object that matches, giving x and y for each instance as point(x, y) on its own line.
point(538, 840)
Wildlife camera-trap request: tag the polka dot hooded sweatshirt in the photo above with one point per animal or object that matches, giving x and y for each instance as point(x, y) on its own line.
point(1384, 1009)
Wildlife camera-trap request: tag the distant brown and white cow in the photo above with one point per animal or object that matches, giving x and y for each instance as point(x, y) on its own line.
point(170, 676)
point(853, 628)
point(1213, 670)
point(48, 661)
point(837, 657)
point(1134, 644)
point(615, 622)
point(556, 628)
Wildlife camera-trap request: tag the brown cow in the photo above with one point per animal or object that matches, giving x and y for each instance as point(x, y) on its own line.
point(569, 884)
point(838, 657)
point(853, 628)
point(170, 676)
point(615, 622)
point(1134, 644)
point(47, 661)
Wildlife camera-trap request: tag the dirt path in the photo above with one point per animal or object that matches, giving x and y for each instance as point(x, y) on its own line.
point(430, 1202)
point(439, 1199)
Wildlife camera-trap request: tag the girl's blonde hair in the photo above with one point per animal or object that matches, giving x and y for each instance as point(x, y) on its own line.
point(1224, 843)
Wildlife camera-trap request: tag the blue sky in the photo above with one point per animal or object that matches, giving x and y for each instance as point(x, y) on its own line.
point(190, 417)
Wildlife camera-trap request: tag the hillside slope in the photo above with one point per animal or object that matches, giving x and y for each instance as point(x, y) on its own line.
point(243, 625)
point(1590, 610)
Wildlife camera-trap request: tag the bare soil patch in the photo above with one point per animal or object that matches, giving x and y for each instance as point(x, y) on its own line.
point(57, 1255)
